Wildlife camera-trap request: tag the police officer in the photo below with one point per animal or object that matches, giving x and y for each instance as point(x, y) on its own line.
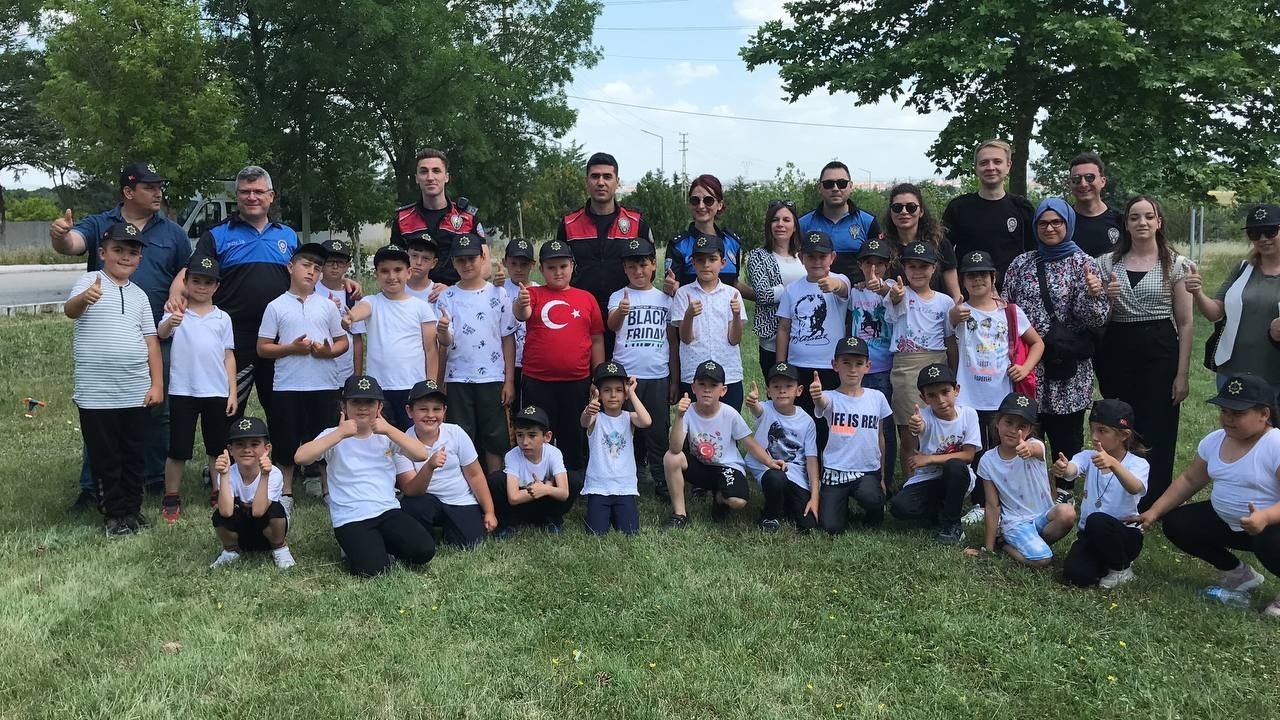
point(435, 213)
point(841, 219)
point(1097, 226)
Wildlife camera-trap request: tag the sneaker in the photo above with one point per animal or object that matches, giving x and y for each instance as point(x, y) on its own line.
point(1063, 496)
point(1273, 610)
point(976, 514)
point(138, 521)
point(1242, 579)
point(312, 486)
point(770, 525)
point(206, 477)
point(950, 534)
point(171, 508)
point(506, 532)
point(554, 528)
point(117, 527)
point(226, 558)
point(287, 502)
point(1116, 577)
point(675, 522)
point(282, 556)
point(86, 500)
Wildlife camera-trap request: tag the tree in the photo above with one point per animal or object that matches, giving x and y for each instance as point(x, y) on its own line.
point(33, 207)
point(27, 137)
point(1178, 94)
point(556, 187)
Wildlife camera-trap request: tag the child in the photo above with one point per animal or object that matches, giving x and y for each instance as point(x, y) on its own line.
point(449, 489)
point(811, 317)
point(480, 371)
point(854, 456)
point(533, 488)
point(518, 263)
point(304, 334)
point(364, 454)
point(1019, 493)
point(866, 306)
point(945, 437)
point(565, 340)
point(709, 317)
point(333, 286)
point(919, 318)
point(788, 435)
point(118, 376)
point(640, 315)
point(611, 479)
point(202, 378)
point(249, 516)
point(423, 255)
point(401, 333)
point(1115, 479)
point(704, 445)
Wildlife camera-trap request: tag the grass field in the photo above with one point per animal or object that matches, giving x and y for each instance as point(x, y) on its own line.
point(713, 622)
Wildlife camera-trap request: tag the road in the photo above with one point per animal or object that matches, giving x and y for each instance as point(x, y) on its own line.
point(20, 288)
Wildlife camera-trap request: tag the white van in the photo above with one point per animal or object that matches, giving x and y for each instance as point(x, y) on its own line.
point(203, 212)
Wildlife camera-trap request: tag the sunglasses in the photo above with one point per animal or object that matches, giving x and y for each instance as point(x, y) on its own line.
point(1082, 179)
point(1256, 233)
point(775, 204)
point(706, 200)
point(909, 208)
point(842, 183)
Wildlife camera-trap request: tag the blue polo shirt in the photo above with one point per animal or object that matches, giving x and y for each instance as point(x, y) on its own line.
point(165, 252)
point(847, 235)
point(254, 270)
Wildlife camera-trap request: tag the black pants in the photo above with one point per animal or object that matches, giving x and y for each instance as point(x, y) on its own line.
point(768, 358)
point(297, 417)
point(830, 381)
point(1105, 544)
point(785, 499)
point(940, 498)
point(563, 401)
point(537, 512)
point(115, 441)
point(990, 439)
point(834, 505)
point(1197, 530)
point(1065, 434)
point(462, 526)
point(369, 544)
point(393, 408)
point(251, 370)
point(1137, 363)
point(250, 531)
point(651, 443)
point(184, 411)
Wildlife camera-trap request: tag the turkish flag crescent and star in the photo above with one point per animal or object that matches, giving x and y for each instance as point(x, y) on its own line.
point(557, 345)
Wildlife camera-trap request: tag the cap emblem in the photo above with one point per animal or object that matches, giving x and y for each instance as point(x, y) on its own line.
point(873, 245)
point(337, 245)
point(919, 248)
point(611, 367)
point(815, 238)
point(780, 367)
point(463, 242)
point(555, 245)
point(522, 245)
point(363, 383)
point(1260, 213)
point(1235, 387)
point(934, 372)
point(634, 244)
point(1023, 402)
point(151, 168)
point(245, 424)
point(710, 365)
point(530, 410)
point(206, 263)
point(975, 257)
point(130, 230)
point(702, 241)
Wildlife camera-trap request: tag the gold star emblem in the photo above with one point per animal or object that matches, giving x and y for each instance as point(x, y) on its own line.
point(1235, 387)
point(1023, 402)
point(245, 424)
point(710, 365)
point(431, 385)
point(934, 372)
point(363, 383)
point(919, 248)
point(463, 242)
point(634, 244)
point(530, 410)
point(206, 263)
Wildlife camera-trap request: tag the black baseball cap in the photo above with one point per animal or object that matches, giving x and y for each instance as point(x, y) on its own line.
point(1113, 413)
point(875, 247)
point(124, 232)
point(137, 172)
point(710, 370)
point(532, 415)
point(639, 248)
point(337, 248)
point(420, 240)
point(935, 374)
point(816, 241)
point(312, 248)
point(607, 370)
point(467, 245)
point(390, 252)
point(783, 369)
point(204, 265)
point(1020, 405)
point(361, 387)
point(1244, 391)
point(425, 389)
point(921, 251)
point(555, 249)
point(1262, 216)
point(852, 346)
point(247, 427)
point(521, 248)
point(704, 244)
point(977, 261)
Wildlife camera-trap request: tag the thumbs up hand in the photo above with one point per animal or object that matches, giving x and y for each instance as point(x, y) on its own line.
point(683, 406)
point(1092, 284)
point(1023, 449)
point(593, 405)
point(1103, 460)
point(959, 312)
point(753, 397)
point(522, 298)
point(896, 293)
point(916, 423)
point(1113, 286)
point(59, 228)
point(264, 464)
point(438, 458)
point(93, 293)
point(735, 305)
point(829, 284)
point(499, 274)
point(695, 309)
point(1061, 466)
point(175, 319)
point(815, 388)
point(222, 465)
point(442, 322)
point(875, 284)
point(1193, 282)
point(1255, 522)
point(625, 305)
point(669, 282)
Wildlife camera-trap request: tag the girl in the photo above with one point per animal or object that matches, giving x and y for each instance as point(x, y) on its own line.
point(907, 220)
point(1019, 498)
point(1115, 478)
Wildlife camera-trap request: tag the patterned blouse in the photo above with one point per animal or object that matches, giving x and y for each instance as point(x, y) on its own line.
point(1073, 306)
point(765, 277)
point(1151, 298)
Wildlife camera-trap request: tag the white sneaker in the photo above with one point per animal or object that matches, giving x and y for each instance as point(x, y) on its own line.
point(1273, 610)
point(1242, 579)
point(287, 502)
point(283, 558)
point(312, 486)
point(1116, 577)
point(975, 515)
point(226, 558)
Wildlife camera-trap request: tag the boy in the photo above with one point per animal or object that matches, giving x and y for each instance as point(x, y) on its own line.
point(118, 375)
point(423, 256)
point(709, 317)
point(518, 264)
point(947, 439)
point(480, 372)
point(611, 483)
point(710, 456)
point(533, 488)
point(401, 333)
point(303, 333)
point(866, 308)
point(333, 286)
point(364, 454)
point(640, 315)
point(250, 516)
point(449, 490)
point(202, 378)
point(791, 436)
point(565, 340)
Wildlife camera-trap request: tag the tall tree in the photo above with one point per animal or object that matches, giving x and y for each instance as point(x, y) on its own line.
point(1180, 93)
point(27, 136)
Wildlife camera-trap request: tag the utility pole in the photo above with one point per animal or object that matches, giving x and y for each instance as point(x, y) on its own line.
point(684, 157)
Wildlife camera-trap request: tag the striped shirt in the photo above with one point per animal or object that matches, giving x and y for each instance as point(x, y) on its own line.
point(110, 347)
point(1151, 298)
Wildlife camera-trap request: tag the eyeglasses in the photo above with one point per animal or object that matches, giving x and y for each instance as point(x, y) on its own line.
point(254, 193)
point(909, 208)
point(842, 183)
point(707, 200)
point(1083, 179)
point(775, 204)
point(1051, 224)
point(1256, 233)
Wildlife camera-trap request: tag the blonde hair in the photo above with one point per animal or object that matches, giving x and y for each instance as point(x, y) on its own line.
point(994, 143)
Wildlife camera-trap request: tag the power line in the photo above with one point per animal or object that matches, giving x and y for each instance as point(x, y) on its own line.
point(640, 2)
point(755, 119)
point(681, 28)
point(672, 59)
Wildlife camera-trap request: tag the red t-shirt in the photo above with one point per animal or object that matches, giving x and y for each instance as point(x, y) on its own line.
point(557, 343)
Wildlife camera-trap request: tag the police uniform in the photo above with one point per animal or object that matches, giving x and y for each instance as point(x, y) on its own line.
point(457, 218)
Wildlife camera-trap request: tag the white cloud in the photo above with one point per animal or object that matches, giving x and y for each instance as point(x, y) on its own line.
point(683, 73)
point(758, 11)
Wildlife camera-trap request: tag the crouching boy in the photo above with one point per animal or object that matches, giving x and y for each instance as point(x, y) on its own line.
point(250, 516)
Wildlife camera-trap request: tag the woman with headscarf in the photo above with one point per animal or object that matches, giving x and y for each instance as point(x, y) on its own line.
point(1059, 285)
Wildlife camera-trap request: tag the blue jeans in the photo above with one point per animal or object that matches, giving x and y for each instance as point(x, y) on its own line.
point(880, 381)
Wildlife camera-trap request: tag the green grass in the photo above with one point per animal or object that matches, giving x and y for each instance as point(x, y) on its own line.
point(715, 622)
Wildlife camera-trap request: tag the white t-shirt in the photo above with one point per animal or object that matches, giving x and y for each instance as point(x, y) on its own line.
point(198, 356)
point(479, 320)
point(511, 290)
point(448, 482)
point(714, 440)
point(1116, 501)
point(611, 464)
point(983, 342)
point(711, 330)
point(791, 270)
point(362, 477)
point(527, 472)
point(1023, 484)
point(941, 437)
point(793, 438)
point(853, 444)
point(244, 492)
point(393, 344)
point(314, 317)
point(919, 325)
point(424, 294)
point(817, 322)
point(1251, 479)
point(344, 364)
point(110, 345)
point(641, 342)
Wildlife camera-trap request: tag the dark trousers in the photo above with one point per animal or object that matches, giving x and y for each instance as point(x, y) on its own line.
point(393, 408)
point(1137, 363)
point(537, 512)
point(939, 498)
point(369, 544)
point(617, 511)
point(889, 463)
point(732, 396)
point(830, 381)
point(1065, 434)
point(651, 442)
point(865, 491)
point(1197, 530)
point(296, 417)
point(114, 441)
point(1105, 544)
point(156, 442)
point(251, 370)
point(564, 402)
point(986, 428)
point(462, 526)
point(768, 358)
point(785, 499)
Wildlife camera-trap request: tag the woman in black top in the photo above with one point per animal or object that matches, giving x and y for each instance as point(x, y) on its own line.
point(907, 220)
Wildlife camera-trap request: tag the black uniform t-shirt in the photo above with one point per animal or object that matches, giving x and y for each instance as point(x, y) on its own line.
point(1001, 227)
point(598, 262)
point(1098, 234)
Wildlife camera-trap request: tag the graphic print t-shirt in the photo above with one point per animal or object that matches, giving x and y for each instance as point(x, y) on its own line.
point(791, 437)
point(714, 440)
point(641, 344)
point(817, 322)
point(854, 442)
